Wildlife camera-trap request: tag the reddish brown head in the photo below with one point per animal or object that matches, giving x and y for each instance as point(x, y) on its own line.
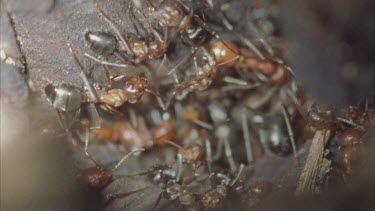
point(350, 137)
point(135, 87)
point(96, 178)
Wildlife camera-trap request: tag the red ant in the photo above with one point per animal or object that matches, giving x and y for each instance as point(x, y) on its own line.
point(98, 177)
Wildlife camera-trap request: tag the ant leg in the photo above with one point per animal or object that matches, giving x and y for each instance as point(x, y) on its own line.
point(117, 77)
point(266, 97)
point(86, 82)
point(175, 145)
point(290, 131)
point(120, 56)
point(228, 154)
point(213, 33)
point(246, 137)
point(159, 98)
point(203, 124)
point(144, 173)
point(110, 22)
point(219, 150)
point(208, 148)
point(166, 37)
point(131, 16)
point(175, 78)
point(263, 141)
point(179, 167)
point(162, 63)
point(87, 146)
point(250, 45)
point(229, 88)
point(154, 32)
point(111, 110)
point(103, 62)
point(196, 66)
point(110, 197)
point(62, 120)
point(350, 122)
point(297, 103)
point(183, 61)
point(107, 74)
point(94, 119)
point(238, 175)
point(246, 41)
point(157, 201)
point(125, 158)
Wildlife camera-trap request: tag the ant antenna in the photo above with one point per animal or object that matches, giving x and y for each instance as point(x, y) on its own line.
point(87, 146)
point(183, 61)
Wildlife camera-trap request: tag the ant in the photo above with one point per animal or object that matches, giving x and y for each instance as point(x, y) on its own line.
point(137, 48)
point(98, 177)
point(321, 116)
point(194, 33)
point(192, 113)
point(125, 133)
point(275, 71)
point(221, 184)
point(167, 179)
point(349, 141)
point(190, 152)
point(171, 190)
point(164, 131)
point(66, 98)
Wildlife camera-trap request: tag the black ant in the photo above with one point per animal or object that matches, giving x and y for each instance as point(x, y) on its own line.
point(167, 179)
point(221, 185)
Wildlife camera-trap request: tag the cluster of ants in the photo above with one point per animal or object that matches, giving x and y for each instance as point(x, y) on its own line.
point(235, 96)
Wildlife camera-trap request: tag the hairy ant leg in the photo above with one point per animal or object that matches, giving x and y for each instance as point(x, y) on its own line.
point(290, 131)
point(246, 137)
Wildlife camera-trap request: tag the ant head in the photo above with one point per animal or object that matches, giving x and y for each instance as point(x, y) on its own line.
point(96, 177)
point(135, 87)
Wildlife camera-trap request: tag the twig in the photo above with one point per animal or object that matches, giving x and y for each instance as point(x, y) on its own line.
point(313, 166)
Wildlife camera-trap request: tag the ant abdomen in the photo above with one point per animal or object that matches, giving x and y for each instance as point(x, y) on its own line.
point(224, 51)
point(64, 97)
point(114, 97)
point(101, 43)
